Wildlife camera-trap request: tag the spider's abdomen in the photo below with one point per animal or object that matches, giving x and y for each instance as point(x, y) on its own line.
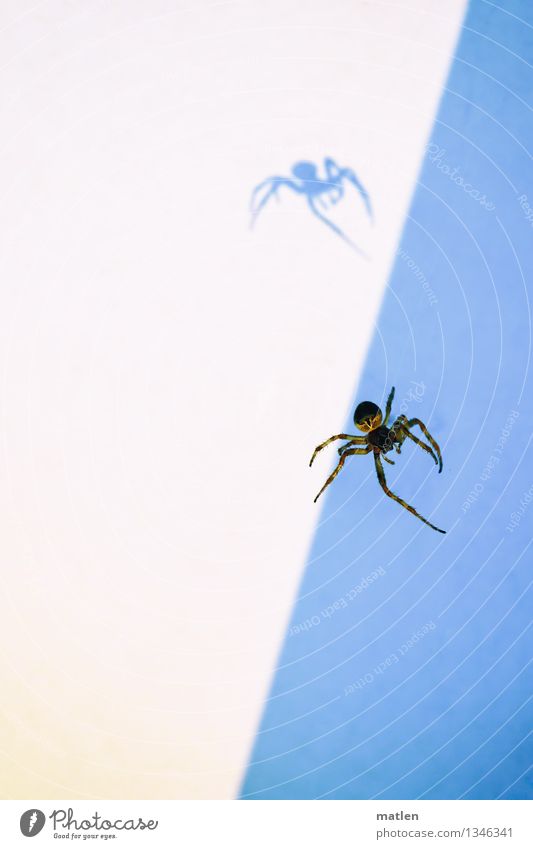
point(381, 438)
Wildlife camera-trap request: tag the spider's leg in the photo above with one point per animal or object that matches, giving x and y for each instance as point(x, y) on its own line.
point(273, 184)
point(257, 205)
point(336, 192)
point(388, 461)
point(340, 464)
point(422, 445)
point(332, 169)
point(389, 406)
point(333, 181)
point(325, 220)
point(333, 227)
point(398, 431)
point(322, 201)
point(387, 491)
point(333, 175)
point(428, 436)
point(401, 432)
point(329, 195)
point(357, 440)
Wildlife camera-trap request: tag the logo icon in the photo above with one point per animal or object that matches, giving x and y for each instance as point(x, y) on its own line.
point(32, 822)
point(321, 193)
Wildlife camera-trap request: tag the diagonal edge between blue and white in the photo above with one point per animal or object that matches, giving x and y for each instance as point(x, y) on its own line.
point(404, 671)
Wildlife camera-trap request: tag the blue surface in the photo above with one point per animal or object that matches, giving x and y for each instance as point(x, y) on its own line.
point(355, 709)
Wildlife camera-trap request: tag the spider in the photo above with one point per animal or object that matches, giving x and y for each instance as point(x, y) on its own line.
point(381, 439)
point(305, 181)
